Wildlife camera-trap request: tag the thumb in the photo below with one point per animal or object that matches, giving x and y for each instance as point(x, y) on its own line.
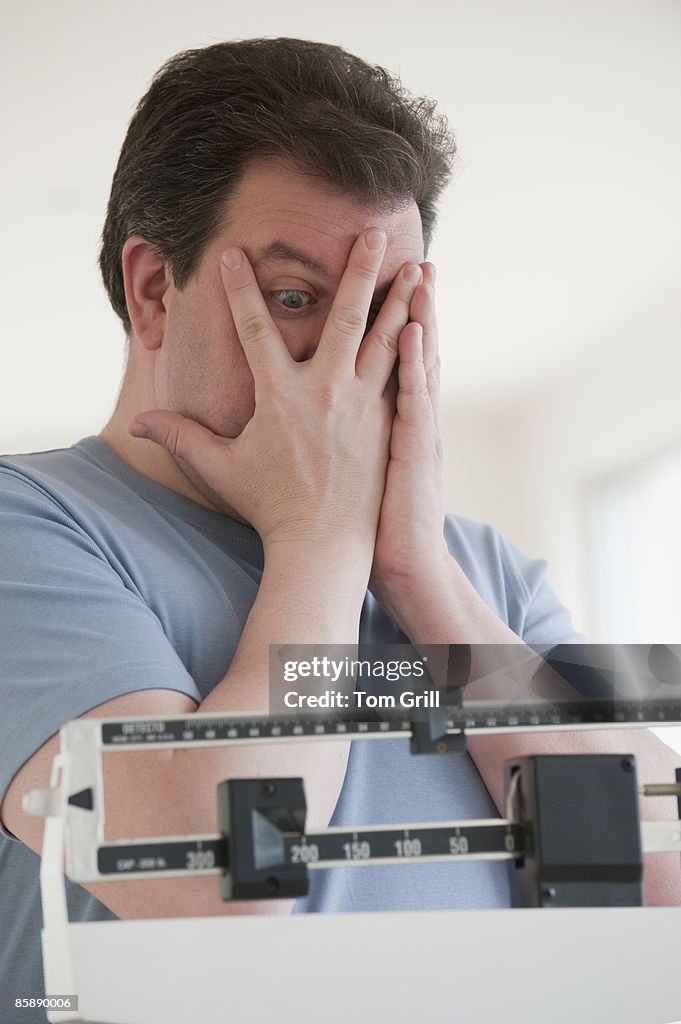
point(185, 439)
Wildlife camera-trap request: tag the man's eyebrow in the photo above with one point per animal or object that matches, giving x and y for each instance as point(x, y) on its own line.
point(280, 251)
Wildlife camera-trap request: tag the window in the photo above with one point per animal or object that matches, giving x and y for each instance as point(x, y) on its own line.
point(634, 524)
point(635, 541)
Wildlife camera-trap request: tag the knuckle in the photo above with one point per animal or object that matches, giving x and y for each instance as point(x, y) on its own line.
point(383, 339)
point(398, 305)
point(276, 398)
point(241, 286)
point(349, 319)
point(403, 300)
point(418, 391)
point(328, 396)
point(173, 440)
point(365, 272)
point(253, 327)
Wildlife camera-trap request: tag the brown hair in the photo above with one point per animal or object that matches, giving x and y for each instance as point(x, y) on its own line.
point(209, 111)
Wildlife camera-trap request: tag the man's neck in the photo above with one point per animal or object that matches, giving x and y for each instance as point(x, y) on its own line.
point(149, 459)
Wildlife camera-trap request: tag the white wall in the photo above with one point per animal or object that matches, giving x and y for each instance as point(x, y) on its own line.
point(527, 466)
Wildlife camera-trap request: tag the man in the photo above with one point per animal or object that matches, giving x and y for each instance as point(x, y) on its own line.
point(265, 250)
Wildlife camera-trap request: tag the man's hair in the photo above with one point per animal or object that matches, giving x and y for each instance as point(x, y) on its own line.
point(209, 112)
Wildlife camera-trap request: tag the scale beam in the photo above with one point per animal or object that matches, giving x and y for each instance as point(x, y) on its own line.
point(177, 731)
point(260, 854)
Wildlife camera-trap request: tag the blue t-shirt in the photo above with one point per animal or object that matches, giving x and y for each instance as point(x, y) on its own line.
point(111, 583)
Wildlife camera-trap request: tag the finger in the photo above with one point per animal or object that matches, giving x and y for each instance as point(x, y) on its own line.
point(346, 322)
point(413, 397)
point(262, 343)
point(378, 350)
point(390, 393)
point(422, 311)
point(426, 301)
point(187, 441)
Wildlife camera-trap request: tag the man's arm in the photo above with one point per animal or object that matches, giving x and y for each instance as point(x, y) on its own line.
point(293, 603)
point(425, 591)
point(308, 472)
point(306, 592)
point(445, 609)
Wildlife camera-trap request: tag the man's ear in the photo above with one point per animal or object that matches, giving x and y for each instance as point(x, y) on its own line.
point(146, 279)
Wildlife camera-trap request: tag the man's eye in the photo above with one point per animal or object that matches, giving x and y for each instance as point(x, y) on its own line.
point(291, 295)
point(287, 294)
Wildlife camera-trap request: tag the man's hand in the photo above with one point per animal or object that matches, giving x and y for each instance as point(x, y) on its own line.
point(410, 542)
point(311, 463)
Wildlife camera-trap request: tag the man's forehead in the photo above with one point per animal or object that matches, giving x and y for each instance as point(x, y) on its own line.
point(282, 216)
point(280, 252)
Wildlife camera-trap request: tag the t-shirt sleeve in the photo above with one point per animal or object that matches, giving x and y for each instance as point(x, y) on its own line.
point(544, 619)
point(72, 635)
point(547, 627)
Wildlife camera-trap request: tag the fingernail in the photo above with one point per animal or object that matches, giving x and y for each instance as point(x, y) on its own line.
point(232, 258)
point(413, 274)
point(375, 240)
point(140, 430)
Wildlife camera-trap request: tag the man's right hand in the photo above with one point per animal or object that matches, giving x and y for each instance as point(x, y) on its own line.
point(311, 462)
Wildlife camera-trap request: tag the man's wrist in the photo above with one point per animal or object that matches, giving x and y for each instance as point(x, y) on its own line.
point(408, 596)
point(399, 585)
point(342, 563)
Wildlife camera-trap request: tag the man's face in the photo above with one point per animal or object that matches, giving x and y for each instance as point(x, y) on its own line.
point(201, 370)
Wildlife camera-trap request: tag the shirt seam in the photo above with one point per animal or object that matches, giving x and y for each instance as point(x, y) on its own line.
point(510, 561)
point(123, 668)
point(160, 508)
point(23, 479)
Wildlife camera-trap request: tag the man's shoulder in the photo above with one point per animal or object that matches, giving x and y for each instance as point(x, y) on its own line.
point(34, 460)
point(474, 530)
point(67, 491)
point(87, 494)
point(513, 583)
point(502, 573)
point(39, 480)
point(61, 484)
point(41, 470)
point(477, 541)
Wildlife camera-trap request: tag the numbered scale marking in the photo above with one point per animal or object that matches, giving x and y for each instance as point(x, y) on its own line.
point(469, 717)
point(496, 839)
point(200, 856)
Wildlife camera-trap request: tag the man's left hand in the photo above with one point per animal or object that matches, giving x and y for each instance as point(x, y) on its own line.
point(410, 542)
